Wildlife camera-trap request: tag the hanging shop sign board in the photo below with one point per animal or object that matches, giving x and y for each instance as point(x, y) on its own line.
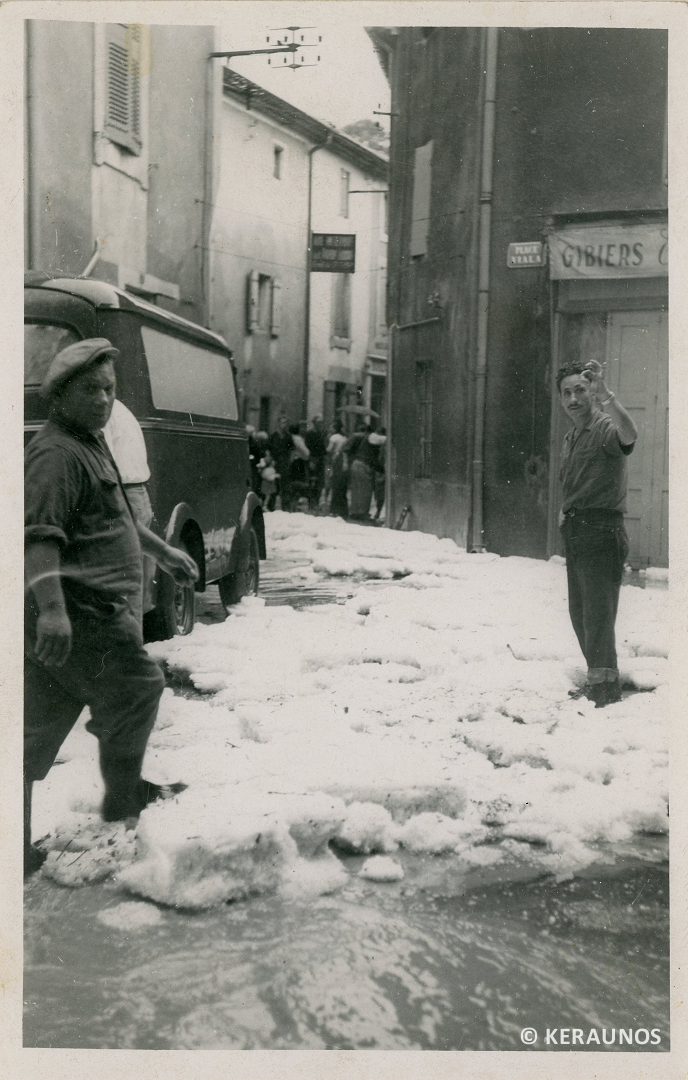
point(529, 254)
point(333, 253)
point(610, 251)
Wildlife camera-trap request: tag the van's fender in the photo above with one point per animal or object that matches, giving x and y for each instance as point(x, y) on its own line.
point(251, 515)
point(183, 531)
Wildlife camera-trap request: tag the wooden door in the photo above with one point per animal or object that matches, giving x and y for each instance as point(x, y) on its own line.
point(637, 371)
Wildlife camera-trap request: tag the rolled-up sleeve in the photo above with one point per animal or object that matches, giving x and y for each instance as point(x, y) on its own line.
point(611, 444)
point(52, 483)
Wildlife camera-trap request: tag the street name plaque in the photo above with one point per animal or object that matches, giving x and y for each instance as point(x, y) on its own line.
point(333, 253)
point(529, 254)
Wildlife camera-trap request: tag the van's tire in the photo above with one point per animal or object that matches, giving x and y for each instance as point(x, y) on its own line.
point(174, 613)
point(244, 582)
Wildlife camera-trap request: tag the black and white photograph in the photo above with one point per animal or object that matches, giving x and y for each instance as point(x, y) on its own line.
point(346, 607)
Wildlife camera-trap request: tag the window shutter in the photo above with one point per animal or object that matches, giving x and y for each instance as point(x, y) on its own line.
point(252, 298)
point(420, 212)
point(275, 308)
point(122, 92)
point(341, 306)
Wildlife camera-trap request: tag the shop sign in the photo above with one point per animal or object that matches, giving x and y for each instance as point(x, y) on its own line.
point(333, 253)
point(529, 254)
point(610, 251)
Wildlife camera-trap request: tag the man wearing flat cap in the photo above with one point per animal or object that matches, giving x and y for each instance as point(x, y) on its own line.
point(83, 638)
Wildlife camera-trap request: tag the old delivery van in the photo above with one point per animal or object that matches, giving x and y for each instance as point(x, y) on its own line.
point(178, 380)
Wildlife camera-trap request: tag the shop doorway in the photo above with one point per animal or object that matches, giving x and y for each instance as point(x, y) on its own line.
point(638, 370)
point(634, 345)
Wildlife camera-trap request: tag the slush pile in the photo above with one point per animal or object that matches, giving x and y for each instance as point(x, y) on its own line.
point(427, 713)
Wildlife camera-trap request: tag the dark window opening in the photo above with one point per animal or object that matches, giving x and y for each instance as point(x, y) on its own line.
point(264, 414)
point(377, 394)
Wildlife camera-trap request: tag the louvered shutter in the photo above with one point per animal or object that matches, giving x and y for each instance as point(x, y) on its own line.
point(275, 308)
point(252, 301)
point(122, 91)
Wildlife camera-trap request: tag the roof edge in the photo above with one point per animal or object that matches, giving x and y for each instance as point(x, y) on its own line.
point(257, 99)
point(384, 43)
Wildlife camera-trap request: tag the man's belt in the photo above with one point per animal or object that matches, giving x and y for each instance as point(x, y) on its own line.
point(594, 513)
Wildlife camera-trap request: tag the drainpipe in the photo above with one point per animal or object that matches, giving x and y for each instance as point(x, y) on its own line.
point(389, 449)
point(210, 150)
point(484, 239)
point(307, 308)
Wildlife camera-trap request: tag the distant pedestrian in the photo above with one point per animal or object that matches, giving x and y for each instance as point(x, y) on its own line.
point(299, 478)
point(269, 481)
point(261, 438)
point(316, 441)
point(595, 481)
point(363, 453)
point(337, 476)
point(379, 479)
point(254, 454)
point(281, 446)
point(82, 622)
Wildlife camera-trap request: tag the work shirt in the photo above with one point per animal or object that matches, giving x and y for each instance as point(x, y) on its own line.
point(316, 441)
point(281, 445)
point(126, 444)
point(593, 466)
point(366, 448)
point(74, 497)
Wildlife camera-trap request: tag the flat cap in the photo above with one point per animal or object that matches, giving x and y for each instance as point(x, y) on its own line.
point(73, 359)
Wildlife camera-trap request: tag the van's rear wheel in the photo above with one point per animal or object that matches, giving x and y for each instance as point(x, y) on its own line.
point(175, 611)
point(244, 582)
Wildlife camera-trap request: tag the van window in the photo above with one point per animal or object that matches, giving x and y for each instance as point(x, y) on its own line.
point(187, 378)
point(42, 343)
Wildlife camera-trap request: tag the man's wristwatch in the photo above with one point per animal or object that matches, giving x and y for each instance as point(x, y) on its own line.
point(610, 397)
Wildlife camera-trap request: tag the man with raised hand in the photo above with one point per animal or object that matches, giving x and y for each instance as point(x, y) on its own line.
point(83, 638)
point(595, 480)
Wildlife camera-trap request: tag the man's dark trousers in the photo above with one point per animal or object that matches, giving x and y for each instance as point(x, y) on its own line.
point(115, 677)
point(596, 549)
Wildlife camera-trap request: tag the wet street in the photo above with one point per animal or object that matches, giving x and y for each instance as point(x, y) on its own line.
point(279, 585)
point(449, 958)
point(429, 964)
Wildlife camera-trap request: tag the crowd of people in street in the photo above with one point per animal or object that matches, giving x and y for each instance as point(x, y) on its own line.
point(310, 468)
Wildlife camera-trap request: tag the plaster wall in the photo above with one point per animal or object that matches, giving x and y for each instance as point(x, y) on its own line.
point(182, 123)
point(59, 142)
point(260, 223)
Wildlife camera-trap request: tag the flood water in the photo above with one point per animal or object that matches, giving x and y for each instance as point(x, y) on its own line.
point(429, 963)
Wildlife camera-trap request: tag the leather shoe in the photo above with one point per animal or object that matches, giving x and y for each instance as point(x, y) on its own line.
point(33, 860)
point(606, 693)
